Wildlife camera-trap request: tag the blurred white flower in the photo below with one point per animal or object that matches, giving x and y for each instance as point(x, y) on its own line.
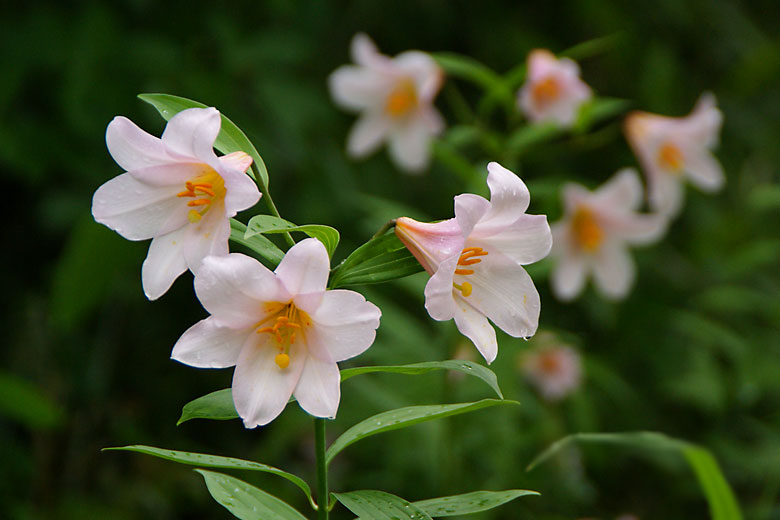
point(554, 370)
point(671, 149)
point(594, 234)
point(282, 330)
point(395, 99)
point(553, 90)
point(475, 261)
point(176, 191)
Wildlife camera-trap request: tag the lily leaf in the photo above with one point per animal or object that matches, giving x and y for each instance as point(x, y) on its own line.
point(469, 503)
point(467, 367)
point(401, 418)
point(269, 224)
point(245, 501)
point(380, 259)
point(597, 110)
point(369, 504)
point(723, 505)
point(216, 461)
point(230, 139)
point(257, 243)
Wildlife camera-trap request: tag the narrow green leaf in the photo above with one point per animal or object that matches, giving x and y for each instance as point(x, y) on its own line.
point(369, 504)
point(258, 243)
point(230, 139)
point(216, 461)
point(245, 501)
point(23, 402)
point(467, 367)
point(217, 406)
point(401, 418)
point(380, 259)
point(531, 135)
point(598, 110)
point(468, 68)
point(722, 502)
point(270, 224)
point(469, 503)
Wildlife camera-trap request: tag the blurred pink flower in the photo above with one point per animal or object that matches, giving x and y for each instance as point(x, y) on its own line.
point(176, 191)
point(395, 99)
point(555, 371)
point(475, 261)
point(671, 149)
point(282, 330)
point(553, 90)
point(594, 233)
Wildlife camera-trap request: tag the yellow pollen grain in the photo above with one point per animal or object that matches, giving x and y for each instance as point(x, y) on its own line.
point(402, 99)
point(670, 157)
point(587, 232)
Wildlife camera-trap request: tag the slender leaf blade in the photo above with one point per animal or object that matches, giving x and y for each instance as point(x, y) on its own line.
point(469, 503)
point(403, 417)
point(369, 504)
point(216, 461)
point(230, 139)
point(258, 243)
point(467, 367)
point(270, 224)
point(216, 406)
point(380, 259)
point(245, 501)
point(722, 502)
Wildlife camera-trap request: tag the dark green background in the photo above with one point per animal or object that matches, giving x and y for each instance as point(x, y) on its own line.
point(693, 352)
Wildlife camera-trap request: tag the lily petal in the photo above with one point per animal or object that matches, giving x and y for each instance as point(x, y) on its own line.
point(705, 172)
point(345, 326)
point(614, 271)
point(474, 325)
point(430, 242)
point(439, 301)
point(164, 263)
point(526, 241)
point(469, 209)
point(319, 388)
point(207, 237)
point(409, 145)
point(210, 345)
point(568, 277)
point(357, 88)
point(192, 133)
point(623, 190)
point(305, 267)
point(367, 135)
point(132, 148)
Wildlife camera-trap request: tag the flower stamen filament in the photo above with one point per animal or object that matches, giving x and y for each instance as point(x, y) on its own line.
point(284, 332)
point(465, 288)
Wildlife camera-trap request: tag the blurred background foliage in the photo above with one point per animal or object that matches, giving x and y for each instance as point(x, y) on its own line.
point(693, 352)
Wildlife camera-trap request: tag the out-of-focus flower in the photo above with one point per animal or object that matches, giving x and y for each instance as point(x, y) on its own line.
point(594, 233)
point(555, 370)
point(282, 330)
point(176, 191)
point(475, 261)
point(395, 99)
point(553, 90)
point(671, 149)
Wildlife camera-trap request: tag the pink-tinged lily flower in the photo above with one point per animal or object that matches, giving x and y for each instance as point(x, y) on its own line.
point(555, 371)
point(671, 149)
point(475, 261)
point(282, 330)
point(176, 191)
point(553, 90)
point(594, 233)
point(395, 99)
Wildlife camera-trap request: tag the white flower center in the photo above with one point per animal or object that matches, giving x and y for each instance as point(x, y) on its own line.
point(402, 99)
point(288, 323)
point(468, 257)
point(204, 190)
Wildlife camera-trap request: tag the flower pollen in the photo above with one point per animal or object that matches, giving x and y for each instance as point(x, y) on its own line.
point(468, 257)
point(203, 190)
point(546, 91)
point(586, 229)
point(402, 99)
point(670, 158)
point(287, 322)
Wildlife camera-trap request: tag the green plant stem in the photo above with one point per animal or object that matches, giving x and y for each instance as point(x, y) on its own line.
point(322, 469)
point(388, 225)
point(270, 203)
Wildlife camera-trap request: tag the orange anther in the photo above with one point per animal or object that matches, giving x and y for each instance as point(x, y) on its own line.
point(464, 271)
point(205, 190)
point(199, 202)
point(469, 261)
point(186, 194)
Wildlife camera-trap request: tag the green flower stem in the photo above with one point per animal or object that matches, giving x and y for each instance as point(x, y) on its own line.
point(270, 203)
point(322, 469)
point(387, 226)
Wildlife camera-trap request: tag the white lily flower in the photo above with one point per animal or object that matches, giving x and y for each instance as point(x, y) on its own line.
point(176, 191)
point(395, 99)
point(594, 233)
point(282, 330)
point(555, 371)
point(553, 90)
point(475, 261)
point(671, 149)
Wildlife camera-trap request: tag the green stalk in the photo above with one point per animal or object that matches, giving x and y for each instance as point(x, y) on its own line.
point(270, 203)
point(322, 469)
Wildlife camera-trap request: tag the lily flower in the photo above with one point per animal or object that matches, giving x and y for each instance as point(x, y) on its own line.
point(395, 99)
point(176, 191)
point(671, 149)
point(475, 261)
point(282, 330)
point(555, 371)
point(553, 90)
point(594, 233)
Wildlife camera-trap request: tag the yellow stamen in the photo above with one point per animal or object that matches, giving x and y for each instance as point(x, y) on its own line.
point(464, 288)
point(464, 271)
point(670, 157)
point(402, 99)
point(208, 187)
point(207, 191)
point(546, 91)
point(586, 230)
point(194, 216)
point(282, 360)
point(199, 202)
point(287, 320)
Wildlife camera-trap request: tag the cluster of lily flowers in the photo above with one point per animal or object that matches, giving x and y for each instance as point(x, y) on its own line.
point(285, 333)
